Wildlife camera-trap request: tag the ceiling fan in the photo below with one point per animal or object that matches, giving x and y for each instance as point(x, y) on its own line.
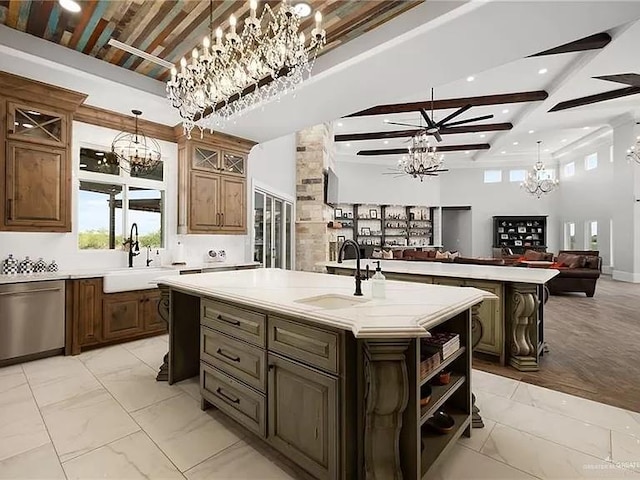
point(433, 127)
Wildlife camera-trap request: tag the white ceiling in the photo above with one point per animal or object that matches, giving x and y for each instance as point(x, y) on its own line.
point(438, 43)
point(568, 76)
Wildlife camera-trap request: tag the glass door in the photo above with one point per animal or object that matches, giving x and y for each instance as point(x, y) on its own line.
point(272, 231)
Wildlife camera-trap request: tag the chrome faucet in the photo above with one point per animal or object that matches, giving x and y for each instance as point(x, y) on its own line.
point(134, 246)
point(359, 278)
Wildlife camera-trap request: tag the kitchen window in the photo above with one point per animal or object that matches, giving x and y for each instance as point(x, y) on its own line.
point(492, 176)
point(591, 161)
point(517, 175)
point(570, 169)
point(110, 200)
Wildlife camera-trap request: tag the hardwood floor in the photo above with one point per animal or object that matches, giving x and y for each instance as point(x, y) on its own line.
point(594, 346)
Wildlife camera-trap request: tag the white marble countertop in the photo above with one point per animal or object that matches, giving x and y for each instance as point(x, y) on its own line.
point(456, 270)
point(75, 273)
point(408, 310)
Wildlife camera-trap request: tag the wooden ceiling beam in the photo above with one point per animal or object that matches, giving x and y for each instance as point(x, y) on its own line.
point(441, 148)
point(600, 97)
point(500, 99)
point(592, 42)
point(489, 127)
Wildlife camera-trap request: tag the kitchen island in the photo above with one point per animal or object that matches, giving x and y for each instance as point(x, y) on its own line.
point(330, 380)
point(512, 324)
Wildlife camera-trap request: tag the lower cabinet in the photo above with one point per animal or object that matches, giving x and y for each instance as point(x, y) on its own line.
point(303, 416)
point(491, 315)
point(98, 318)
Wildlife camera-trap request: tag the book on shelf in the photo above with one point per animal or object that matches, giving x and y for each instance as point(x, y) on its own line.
point(445, 343)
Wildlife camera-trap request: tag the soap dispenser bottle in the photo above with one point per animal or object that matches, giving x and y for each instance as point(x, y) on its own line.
point(378, 283)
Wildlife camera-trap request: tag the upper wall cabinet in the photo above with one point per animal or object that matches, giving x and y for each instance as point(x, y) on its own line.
point(35, 158)
point(212, 190)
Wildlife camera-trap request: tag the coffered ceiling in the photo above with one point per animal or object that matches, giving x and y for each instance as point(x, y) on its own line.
point(169, 29)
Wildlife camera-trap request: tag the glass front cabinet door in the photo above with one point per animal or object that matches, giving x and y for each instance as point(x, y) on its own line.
point(32, 124)
point(233, 163)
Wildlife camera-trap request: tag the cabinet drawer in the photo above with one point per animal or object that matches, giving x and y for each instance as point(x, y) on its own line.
point(238, 359)
point(241, 403)
point(311, 345)
point(237, 322)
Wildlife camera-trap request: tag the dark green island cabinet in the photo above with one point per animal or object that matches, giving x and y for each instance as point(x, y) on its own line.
point(329, 380)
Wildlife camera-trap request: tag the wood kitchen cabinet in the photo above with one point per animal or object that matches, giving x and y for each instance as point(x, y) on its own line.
point(95, 318)
point(303, 416)
point(212, 195)
point(35, 164)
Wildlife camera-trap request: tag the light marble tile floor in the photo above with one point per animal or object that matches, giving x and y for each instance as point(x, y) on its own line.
point(102, 415)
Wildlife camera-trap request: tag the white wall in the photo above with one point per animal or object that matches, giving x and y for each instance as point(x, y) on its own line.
point(273, 165)
point(461, 187)
point(588, 196)
point(371, 183)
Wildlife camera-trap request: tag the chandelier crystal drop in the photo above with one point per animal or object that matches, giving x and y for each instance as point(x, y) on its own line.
point(133, 152)
point(422, 160)
point(538, 181)
point(633, 153)
point(235, 72)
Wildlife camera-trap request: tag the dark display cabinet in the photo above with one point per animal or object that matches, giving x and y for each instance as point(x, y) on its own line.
point(520, 233)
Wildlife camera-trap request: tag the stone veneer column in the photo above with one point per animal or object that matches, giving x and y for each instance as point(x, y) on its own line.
point(314, 154)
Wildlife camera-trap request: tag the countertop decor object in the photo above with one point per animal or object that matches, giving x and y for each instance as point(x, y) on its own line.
point(444, 378)
point(10, 266)
point(40, 266)
point(265, 58)
point(441, 422)
point(53, 266)
point(134, 152)
point(26, 266)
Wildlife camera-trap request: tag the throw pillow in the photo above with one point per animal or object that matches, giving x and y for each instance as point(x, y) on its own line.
point(431, 253)
point(397, 254)
point(441, 256)
point(533, 256)
point(591, 262)
point(454, 255)
point(571, 261)
point(387, 254)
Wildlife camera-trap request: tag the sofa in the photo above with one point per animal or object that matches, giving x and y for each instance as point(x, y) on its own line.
point(579, 272)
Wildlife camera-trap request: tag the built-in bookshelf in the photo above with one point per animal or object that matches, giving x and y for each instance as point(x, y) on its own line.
point(385, 225)
point(520, 233)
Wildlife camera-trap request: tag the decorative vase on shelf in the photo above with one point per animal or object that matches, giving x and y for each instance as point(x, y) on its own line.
point(53, 267)
point(26, 266)
point(10, 266)
point(40, 266)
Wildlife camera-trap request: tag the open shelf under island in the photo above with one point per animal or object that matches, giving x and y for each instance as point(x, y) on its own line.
point(330, 380)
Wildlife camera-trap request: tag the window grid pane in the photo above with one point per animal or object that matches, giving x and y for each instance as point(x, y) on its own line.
point(492, 176)
point(517, 175)
point(591, 161)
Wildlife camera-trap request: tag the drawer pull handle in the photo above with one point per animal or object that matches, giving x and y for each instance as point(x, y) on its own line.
point(233, 358)
point(227, 397)
point(228, 320)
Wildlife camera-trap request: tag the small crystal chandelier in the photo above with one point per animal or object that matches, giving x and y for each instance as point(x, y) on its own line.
point(539, 181)
point(633, 153)
point(239, 70)
point(133, 152)
point(423, 159)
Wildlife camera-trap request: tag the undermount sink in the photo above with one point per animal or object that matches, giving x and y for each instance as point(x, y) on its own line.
point(332, 301)
point(125, 280)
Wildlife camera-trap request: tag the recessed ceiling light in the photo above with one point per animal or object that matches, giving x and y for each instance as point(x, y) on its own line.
point(386, 120)
point(503, 152)
point(564, 140)
point(585, 128)
point(506, 110)
point(302, 9)
point(386, 142)
point(482, 135)
point(339, 124)
point(470, 78)
point(348, 144)
point(542, 71)
point(467, 152)
point(515, 143)
point(531, 131)
point(70, 5)
point(546, 149)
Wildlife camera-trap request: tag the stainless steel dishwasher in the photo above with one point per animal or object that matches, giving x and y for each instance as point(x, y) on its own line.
point(31, 318)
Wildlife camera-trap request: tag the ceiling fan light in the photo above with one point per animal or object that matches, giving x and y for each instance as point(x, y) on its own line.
point(70, 5)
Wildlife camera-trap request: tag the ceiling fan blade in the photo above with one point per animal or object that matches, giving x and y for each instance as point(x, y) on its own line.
point(460, 111)
point(427, 118)
point(468, 120)
point(404, 124)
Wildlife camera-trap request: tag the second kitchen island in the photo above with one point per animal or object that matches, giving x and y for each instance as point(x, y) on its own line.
point(330, 380)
